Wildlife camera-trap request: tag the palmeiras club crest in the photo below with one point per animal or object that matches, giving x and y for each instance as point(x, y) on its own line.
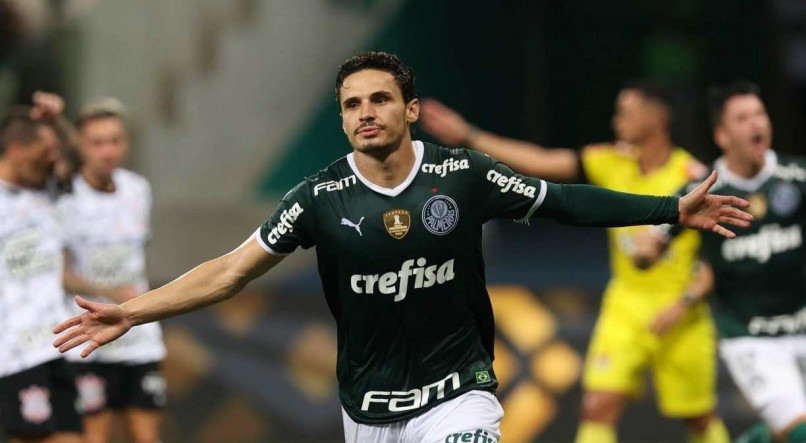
point(397, 222)
point(440, 214)
point(35, 404)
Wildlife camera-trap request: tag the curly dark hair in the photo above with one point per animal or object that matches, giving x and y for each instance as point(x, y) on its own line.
point(718, 95)
point(382, 61)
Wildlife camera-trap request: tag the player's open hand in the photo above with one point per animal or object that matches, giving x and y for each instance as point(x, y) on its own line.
point(99, 325)
point(444, 123)
point(706, 212)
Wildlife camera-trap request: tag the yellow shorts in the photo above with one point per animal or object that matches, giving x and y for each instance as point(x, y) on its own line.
point(682, 362)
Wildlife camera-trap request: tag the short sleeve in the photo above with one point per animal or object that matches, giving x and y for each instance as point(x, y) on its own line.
point(505, 193)
point(290, 225)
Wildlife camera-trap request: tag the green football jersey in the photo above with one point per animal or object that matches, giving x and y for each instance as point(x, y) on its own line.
point(760, 276)
point(403, 274)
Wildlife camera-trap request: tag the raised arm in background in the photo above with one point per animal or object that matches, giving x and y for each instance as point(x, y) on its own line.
point(450, 128)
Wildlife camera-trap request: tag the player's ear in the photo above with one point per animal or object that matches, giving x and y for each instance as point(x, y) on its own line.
point(413, 110)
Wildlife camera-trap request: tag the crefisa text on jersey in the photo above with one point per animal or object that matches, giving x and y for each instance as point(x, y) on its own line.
point(286, 223)
point(449, 165)
point(511, 183)
point(391, 282)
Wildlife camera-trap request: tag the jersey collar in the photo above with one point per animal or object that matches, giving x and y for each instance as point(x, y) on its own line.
point(392, 192)
point(748, 184)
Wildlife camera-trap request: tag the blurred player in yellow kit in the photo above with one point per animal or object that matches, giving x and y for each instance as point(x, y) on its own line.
point(647, 321)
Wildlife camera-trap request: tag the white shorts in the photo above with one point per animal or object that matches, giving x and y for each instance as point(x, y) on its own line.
point(769, 372)
point(472, 417)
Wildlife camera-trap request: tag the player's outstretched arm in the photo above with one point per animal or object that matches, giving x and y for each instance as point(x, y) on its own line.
point(585, 205)
point(208, 283)
point(450, 128)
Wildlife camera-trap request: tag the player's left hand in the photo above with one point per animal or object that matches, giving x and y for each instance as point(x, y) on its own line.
point(704, 211)
point(669, 318)
point(47, 106)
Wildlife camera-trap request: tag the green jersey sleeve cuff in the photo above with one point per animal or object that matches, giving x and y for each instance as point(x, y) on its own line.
point(266, 247)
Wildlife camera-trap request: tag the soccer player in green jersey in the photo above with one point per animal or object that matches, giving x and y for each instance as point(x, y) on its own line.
point(397, 225)
point(759, 277)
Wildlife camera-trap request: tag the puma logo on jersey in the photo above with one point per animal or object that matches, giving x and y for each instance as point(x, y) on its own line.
point(769, 240)
point(285, 224)
point(357, 226)
point(398, 401)
point(511, 183)
point(449, 165)
point(330, 186)
point(397, 282)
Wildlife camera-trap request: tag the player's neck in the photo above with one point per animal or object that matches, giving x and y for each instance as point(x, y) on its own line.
point(743, 169)
point(99, 182)
point(655, 152)
point(389, 169)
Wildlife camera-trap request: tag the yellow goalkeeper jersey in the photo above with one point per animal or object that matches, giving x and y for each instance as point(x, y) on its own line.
point(644, 291)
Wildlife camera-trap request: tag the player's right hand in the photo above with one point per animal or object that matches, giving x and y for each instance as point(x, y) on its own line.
point(447, 125)
point(707, 212)
point(99, 325)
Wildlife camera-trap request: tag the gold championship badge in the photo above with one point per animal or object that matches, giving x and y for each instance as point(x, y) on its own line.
point(758, 205)
point(397, 222)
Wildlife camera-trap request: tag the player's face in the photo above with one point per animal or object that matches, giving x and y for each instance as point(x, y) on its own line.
point(33, 163)
point(745, 131)
point(635, 117)
point(104, 145)
point(374, 115)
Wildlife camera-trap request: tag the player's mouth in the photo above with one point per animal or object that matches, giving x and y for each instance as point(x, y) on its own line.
point(369, 131)
point(758, 141)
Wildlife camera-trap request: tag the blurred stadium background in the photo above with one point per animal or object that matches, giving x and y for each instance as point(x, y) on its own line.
point(231, 104)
